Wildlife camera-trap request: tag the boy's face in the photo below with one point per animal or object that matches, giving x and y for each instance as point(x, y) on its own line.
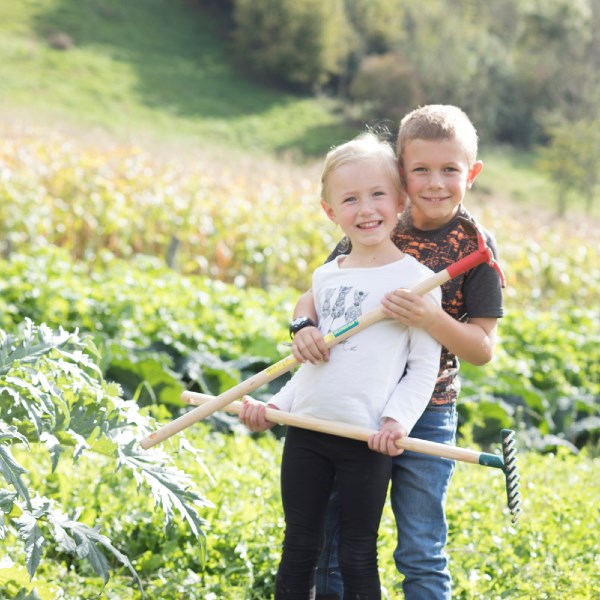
point(363, 201)
point(437, 176)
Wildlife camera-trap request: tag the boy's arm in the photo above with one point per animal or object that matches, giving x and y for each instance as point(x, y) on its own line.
point(473, 341)
point(308, 344)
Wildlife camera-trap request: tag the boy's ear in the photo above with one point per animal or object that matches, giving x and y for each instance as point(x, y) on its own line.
point(328, 211)
point(473, 172)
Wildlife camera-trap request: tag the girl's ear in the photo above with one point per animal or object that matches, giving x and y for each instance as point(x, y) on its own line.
point(473, 172)
point(328, 211)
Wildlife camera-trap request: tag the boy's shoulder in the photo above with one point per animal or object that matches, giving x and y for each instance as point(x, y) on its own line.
point(461, 228)
point(441, 247)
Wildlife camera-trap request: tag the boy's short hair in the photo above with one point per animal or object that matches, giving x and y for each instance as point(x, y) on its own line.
point(366, 146)
point(438, 122)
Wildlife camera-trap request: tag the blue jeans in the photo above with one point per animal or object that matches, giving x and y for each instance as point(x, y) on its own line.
point(418, 495)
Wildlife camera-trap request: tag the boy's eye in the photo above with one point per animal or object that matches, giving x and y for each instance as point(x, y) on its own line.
point(350, 199)
point(378, 193)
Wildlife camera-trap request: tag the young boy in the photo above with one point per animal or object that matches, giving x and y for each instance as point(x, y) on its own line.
point(437, 157)
point(381, 378)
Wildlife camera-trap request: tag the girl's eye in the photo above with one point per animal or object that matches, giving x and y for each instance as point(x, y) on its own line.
point(350, 199)
point(379, 193)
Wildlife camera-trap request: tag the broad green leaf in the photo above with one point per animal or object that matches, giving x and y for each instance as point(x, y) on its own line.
point(12, 471)
point(30, 532)
point(88, 544)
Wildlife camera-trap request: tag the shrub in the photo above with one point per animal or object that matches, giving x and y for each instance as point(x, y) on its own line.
point(296, 41)
point(386, 86)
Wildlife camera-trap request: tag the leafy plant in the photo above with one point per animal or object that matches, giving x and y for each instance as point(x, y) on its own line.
point(53, 397)
point(545, 381)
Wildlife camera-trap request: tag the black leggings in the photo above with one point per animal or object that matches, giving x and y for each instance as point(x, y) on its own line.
point(310, 462)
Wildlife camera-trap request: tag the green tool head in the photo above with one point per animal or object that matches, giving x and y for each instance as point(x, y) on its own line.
point(511, 472)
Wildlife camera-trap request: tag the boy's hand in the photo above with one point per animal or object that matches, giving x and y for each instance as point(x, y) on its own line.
point(252, 415)
point(410, 309)
point(383, 440)
point(309, 345)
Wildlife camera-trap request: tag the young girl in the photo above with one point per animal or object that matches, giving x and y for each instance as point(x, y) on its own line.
point(381, 378)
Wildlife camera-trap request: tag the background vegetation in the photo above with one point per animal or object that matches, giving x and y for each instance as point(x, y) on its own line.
point(158, 218)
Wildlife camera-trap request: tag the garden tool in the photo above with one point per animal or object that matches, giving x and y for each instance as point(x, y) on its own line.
point(483, 254)
point(507, 462)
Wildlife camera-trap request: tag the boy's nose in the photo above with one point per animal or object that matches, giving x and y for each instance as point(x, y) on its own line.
point(435, 181)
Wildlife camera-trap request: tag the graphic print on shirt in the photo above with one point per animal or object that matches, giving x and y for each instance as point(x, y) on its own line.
point(326, 311)
point(342, 305)
point(339, 307)
point(353, 312)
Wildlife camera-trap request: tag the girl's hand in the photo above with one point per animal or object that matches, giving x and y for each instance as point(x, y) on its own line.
point(252, 415)
point(383, 440)
point(309, 345)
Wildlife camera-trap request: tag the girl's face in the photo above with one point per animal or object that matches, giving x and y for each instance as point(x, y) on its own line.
point(363, 201)
point(437, 176)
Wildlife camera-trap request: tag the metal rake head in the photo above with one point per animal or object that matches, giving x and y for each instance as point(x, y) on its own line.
point(511, 472)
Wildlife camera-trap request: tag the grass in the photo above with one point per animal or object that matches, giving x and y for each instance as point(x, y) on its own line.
point(152, 69)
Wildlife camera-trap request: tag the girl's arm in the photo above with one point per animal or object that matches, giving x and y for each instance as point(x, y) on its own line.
point(308, 344)
point(384, 440)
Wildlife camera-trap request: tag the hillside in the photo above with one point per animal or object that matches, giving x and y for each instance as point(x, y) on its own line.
point(150, 70)
point(157, 74)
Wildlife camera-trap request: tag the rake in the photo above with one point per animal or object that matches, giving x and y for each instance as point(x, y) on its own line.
point(507, 463)
point(206, 405)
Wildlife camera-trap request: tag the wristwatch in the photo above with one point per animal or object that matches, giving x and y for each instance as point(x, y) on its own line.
point(300, 323)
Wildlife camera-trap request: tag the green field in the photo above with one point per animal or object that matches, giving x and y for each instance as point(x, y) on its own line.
point(140, 132)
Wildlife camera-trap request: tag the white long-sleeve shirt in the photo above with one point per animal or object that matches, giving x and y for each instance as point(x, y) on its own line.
point(385, 370)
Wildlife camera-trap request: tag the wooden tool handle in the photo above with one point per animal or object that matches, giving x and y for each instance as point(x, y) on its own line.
point(279, 368)
point(344, 430)
point(287, 363)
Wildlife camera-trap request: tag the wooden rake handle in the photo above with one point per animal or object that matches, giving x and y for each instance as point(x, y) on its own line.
point(483, 254)
point(358, 433)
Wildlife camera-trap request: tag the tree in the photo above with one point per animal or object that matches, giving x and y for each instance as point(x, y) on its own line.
point(571, 159)
point(300, 42)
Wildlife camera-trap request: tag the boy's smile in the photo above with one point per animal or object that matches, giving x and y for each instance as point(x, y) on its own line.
point(437, 175)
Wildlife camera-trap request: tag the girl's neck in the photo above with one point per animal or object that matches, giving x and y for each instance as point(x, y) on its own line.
point(367, 256)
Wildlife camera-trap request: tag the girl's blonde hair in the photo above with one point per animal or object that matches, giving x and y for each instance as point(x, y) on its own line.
point(366, 146)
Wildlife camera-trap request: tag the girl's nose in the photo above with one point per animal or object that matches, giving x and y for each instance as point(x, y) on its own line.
point(366, 206)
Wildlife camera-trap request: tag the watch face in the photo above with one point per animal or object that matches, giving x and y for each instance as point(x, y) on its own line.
point(299, 323)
